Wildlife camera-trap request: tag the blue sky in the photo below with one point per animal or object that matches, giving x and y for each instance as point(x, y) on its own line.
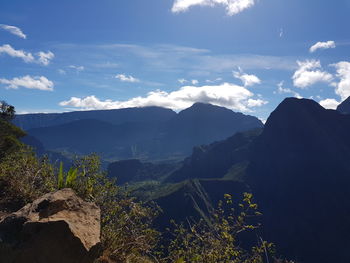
point(246, 55)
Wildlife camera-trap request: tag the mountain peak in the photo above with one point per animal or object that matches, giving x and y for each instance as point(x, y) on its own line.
point(344, 107)
point(205, 106)
point(293, 110)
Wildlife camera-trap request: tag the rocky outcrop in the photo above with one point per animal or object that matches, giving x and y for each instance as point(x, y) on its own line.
point(58, 227)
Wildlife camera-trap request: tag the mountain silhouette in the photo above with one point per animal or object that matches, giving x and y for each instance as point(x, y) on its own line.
point(118, 116)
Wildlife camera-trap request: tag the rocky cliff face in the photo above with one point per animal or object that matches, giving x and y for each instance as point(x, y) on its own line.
point(58, 227)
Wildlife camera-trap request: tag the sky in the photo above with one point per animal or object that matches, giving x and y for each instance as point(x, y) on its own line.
point(246, 55)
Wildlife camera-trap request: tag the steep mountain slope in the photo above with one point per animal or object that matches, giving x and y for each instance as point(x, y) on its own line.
point(119, 116)
point(145, 139)
point(194, 199)
point(344, 107)
point(300, 174)
point(133, 170)
point(224, 158)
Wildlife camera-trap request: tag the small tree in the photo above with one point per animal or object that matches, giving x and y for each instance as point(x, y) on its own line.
point(7, 112)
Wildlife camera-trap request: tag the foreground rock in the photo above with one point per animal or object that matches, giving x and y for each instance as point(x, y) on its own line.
point(58, 227)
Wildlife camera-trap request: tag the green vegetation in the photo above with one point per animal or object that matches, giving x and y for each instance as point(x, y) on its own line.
point(219, 240)
point(128, 233)
point(9, 134)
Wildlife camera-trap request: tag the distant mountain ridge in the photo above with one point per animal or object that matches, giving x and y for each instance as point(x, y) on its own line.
point(164, 136)
point(118, 116)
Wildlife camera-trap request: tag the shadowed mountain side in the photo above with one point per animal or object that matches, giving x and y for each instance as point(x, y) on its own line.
point(193, 199)
point(134, 170)
point(205, 123)
point(300, 174)
point(119, 116)
point(40, 150)
point(216, 159)
point(344, 107)
point(86, 136)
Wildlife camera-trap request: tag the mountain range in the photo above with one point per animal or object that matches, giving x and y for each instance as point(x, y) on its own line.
point(150, 133)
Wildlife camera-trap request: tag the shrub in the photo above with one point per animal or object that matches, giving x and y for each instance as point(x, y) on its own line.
point(218, 241)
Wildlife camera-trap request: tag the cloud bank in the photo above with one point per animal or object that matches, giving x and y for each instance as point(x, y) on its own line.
point(28, 82)
point(232, 7)
point(13, 30)
point(309, 73)
point(228, 95)
point(322, 45)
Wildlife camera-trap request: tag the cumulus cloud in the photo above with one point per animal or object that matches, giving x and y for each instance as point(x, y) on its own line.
point(45, 58)
point(322, 45)
point(233, 7)
point(343, 73)
point(329, 104)
point(42, 57)
point(7, 49)
point(247, 80)
point(227, 95)
point(309, 73)
point(125, 78)
point(282, 90)
point(28, 82)
point(13, 30)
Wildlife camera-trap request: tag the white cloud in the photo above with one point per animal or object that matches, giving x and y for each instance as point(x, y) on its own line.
point(194, 82)
point(233, 7)
point(7, 49)
point(28, 82)
point(282, 90)
point(281, 32)
point(322, 45)
point(309, 73)
point(212, 81)
point(61, 71)
point(227, 95)
point(343, 73)
point(182, 81)
point(247, 80)
point(45, 58)
point(77, 68)
point(329, 104)
point(13, 30)
point(125, 78)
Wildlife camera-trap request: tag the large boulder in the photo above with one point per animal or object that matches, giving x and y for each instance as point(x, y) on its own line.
point(58, 227)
